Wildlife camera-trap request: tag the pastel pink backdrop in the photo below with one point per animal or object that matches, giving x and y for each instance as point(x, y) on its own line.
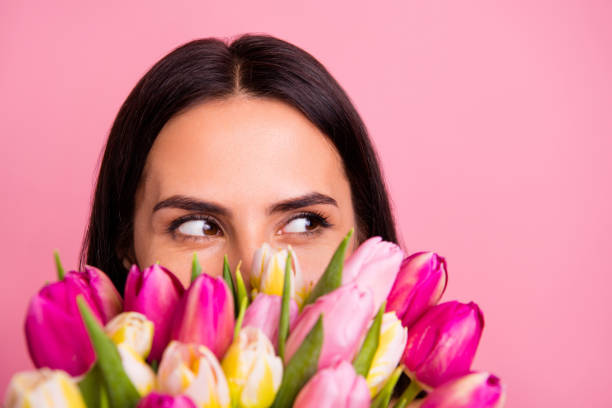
point(492, 120)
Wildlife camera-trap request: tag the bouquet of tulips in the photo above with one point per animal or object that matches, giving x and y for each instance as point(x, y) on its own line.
point(343, 342)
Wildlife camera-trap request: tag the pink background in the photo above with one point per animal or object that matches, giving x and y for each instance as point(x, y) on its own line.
point(492, 120)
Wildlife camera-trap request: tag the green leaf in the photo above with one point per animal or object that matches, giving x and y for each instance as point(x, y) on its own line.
point(92, 388)
point(384, 395)
point(301, 367)
point(196, 268)
point(363, 360)
point(238, 326)
point(121, 391)
point(227, 277)
point(332, 277)
point(58, 265)
point(240, 288)
point(283, 321)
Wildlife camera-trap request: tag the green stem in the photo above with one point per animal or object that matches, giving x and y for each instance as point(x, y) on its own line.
point(409, 394)
point(196, 268)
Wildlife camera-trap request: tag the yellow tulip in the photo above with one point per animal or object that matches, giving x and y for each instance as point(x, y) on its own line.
point(43, 388)
point(268, 273)
point(192, 369)
point(132, 329)
point(391, 344)
point(253, 371)
point(139, 372)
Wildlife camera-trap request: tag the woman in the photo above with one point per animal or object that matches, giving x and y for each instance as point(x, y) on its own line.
point(220, 148)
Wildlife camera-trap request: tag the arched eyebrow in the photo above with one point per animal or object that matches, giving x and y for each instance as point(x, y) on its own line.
point(194, 204)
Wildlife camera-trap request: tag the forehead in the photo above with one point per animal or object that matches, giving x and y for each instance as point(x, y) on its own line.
point(242, 146)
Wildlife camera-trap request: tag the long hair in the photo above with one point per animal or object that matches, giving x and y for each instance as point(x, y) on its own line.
point(208, 69)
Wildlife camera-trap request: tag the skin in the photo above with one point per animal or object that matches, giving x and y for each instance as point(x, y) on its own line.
point(245, 154)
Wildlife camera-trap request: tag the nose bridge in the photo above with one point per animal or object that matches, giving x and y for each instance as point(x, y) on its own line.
point(247, 239)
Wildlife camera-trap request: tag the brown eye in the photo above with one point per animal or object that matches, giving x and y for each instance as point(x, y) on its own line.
point(303, 224)
point(199, 228)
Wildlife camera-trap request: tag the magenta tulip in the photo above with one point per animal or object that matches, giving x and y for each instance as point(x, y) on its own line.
point(475, 390)
point(205, 315)
point(264, 313)
point(335, 386)
point(55, 333)
point(420, 284)
point(155, 292)
point(374, 265)
point(442, 343)
point(347, 312)
point(157, 400)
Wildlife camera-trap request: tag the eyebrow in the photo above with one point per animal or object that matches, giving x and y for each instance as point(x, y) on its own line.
point(193, 204)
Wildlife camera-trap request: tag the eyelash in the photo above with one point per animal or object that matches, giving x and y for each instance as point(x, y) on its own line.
point(319, 218)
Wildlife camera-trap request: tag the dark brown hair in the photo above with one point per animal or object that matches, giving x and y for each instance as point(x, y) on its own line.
point(206, 69)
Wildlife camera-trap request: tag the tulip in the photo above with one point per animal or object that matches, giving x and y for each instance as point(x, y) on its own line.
point(139, 372)
point(103, 292)
point(155, 292)
point(264, 313)
point(268, 273)
point(335, 386)
point(193, 370)
point(43, 388)
point(374, 265)
point(475, 390)
point(205, 315)
point(419, 285)
point(157, 400)
point(252, 370)
point(132, 329)
point(55, 332)
point(347, 312)
point(442, 343)
point(391, 344)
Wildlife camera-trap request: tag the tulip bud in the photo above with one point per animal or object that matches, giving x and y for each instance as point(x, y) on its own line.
point(475, 390)
point(43, 388)
point(55, 332)
point(205, 315)
point(391, 344)
point(132, 329)
point(374, 264)
point(268, 273)
point(264, 313)
point(193, 370)
point(157, 400)
point(139, 372)
point(442, 343)
point(252, 370)
point(154, 292)
point(346, 314)
point(419, 285)
point(103, 292)
point(335, 386)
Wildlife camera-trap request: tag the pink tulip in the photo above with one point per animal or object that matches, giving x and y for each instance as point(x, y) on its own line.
point(374, 265)
point(155, 292)
point(475, 390)
point(335, 386)
point(264, 313)
point(157, 400)
point(346, 314)
point(55, 332)
point(442, 343)
point(205, 315)
point(420, 284)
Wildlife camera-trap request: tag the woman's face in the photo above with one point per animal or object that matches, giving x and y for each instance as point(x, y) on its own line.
point(225, 176)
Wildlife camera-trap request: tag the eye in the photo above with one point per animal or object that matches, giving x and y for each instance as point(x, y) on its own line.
point(199, 227)
point(305, 223)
